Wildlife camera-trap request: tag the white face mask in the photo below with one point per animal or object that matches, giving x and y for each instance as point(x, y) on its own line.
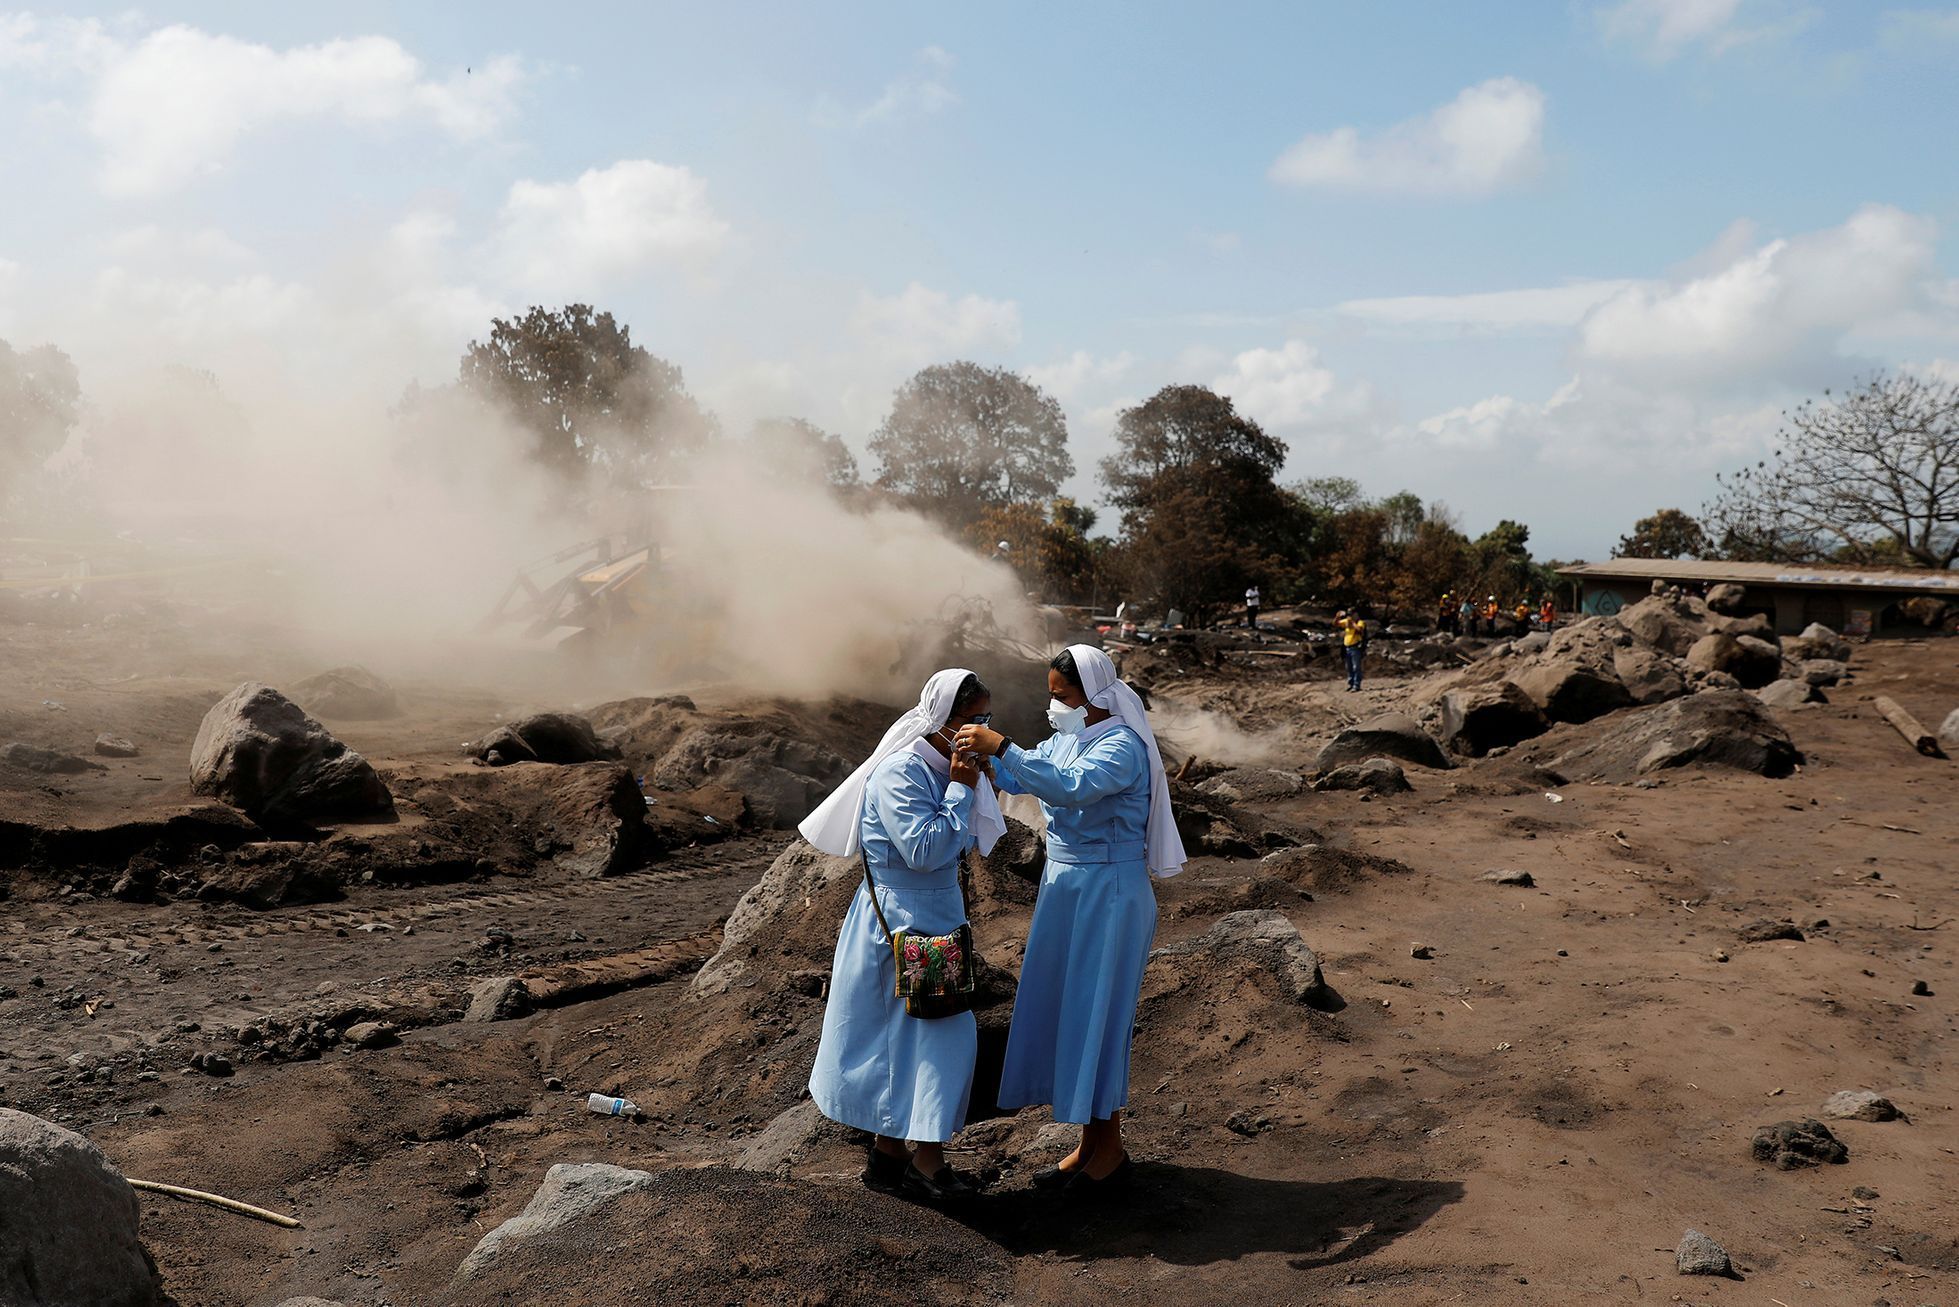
point(1069, 721)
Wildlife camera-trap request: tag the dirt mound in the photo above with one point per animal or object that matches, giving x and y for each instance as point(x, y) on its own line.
point(720, 1235)
point(1322, 869)
point(353, 693)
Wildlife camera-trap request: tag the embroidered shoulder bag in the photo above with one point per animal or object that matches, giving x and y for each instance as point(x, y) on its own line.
point(936, 975)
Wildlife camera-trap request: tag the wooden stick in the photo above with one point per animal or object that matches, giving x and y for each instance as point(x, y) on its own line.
point(216, 1200)
point(1908, 726)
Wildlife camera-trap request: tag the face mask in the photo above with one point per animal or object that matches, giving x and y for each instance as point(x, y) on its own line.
point(1069, 721)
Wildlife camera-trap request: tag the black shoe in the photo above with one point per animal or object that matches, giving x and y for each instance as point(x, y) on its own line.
point(1083, 1185)
point(885, 1173)
point(948, 1186)
point(1053, 1178)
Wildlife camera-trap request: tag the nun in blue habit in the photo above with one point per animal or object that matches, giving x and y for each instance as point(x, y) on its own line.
point(1100, 781)
point(913, 808)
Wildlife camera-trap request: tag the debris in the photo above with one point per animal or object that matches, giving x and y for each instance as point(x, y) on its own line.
point(114, 746)
point(1792, 1144)
point(217, 1200)
point(1375, 776)
point(1761, 932)
point(499, 998)
point(1908, 726)
point(604, 1106)
point(1509, 876)
point(1422, 951)
point(370, 1034)
point(1920, 989)
point(1555, 798)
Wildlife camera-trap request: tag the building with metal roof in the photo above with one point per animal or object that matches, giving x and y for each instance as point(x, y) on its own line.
point(1792, 595)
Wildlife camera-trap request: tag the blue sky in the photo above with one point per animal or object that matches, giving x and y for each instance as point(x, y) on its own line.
point(1558, 262)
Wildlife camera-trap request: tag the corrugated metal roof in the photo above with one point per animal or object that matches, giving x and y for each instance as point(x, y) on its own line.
point(1790, 574)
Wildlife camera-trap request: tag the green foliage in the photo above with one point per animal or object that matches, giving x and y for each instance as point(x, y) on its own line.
point(592, 400)
point(1668, 533)
point(961, 439)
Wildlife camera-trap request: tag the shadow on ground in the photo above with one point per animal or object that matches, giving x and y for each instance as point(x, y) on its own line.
point(1194, 1216)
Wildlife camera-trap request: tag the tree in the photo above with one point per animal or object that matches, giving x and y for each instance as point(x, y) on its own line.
point(1049, 549)
point(797, 450)
point(1202, 517)
point(1330, 494)
point(40, 400)
point(593, 400)
point(1186, 427)
point(1669, 533)
point(1503, 564)
point(1876, 466)
point(961, 439)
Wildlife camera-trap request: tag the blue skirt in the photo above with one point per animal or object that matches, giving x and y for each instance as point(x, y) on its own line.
point(1079, 983)
point(876, 1068)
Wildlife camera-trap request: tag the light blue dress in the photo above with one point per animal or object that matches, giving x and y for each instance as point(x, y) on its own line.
point(1093, 922)
point(876, 1068)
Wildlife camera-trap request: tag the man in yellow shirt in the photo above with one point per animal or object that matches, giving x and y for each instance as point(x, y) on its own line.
point(1353, 644)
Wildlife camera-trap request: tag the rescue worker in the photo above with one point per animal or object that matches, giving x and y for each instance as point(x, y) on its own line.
point(1353, 644)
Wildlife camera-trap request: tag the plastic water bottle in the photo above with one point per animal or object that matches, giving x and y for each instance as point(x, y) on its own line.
point(609, 1106)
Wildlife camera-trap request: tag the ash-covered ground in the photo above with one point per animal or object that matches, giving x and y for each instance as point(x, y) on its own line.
point(1366, 1070)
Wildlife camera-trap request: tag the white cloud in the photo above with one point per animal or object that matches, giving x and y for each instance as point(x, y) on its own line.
point(1291, 387)
point(923, 325)
point(1488, 311)
point(170, 104)
point(921, 91)
point(1665, 28)
point(1488, 137)
point(1067, 379)
point(1779, 306)
point(609, 222)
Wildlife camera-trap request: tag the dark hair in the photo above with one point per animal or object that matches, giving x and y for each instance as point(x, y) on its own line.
point(1064, 662)
point(970, 691)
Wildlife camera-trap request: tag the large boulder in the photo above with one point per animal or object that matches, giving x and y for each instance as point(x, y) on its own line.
point(1788, 694)
point(1817, 641)
point(353, 693)
point(1268, 939)
point(1390, 735)
point(1823, 672)
point(1648, 675)
point(783, 922)
point(1751, 661)
point(1478, 718)
point(259, 752)
point(571, 1192)
point(553, 737)
point(1375, 776)
point(1568, 691)
point(1726, 598)
point(1254, 785)
point(1667, 624)
point(1716, 728)
point(68, 1222)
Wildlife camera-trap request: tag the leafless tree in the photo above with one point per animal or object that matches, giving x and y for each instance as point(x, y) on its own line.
point(1868, 476)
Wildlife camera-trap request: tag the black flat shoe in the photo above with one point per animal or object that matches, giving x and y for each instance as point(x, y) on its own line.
point(948, 1186)
point(885, 1173)
point(1052, 1178)
point(1083, 1185)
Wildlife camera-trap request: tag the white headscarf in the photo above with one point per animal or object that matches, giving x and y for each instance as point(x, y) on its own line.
point(1107, 691)
point(835, 825)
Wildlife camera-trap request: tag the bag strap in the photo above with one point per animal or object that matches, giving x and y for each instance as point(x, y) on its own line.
point(864, 854)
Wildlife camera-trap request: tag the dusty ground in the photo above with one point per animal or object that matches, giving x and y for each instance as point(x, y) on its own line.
point(1532, 1114)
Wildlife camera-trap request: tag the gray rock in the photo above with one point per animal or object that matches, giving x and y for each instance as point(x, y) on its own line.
point(1476, 719)
point(257, 751)
point(114, 746)
point(1819, 641)
point(1376, 776)
point(1824, 672)
point(500, 998)
point(1791, 1144)
point(1270, 939)
point(1751, 661)
point(1859, 1105)
point(1725, 598)
point(553, 737)
point(801, 883)
point(1389, 735)
point(68, 1222)
point(1535, 642)
point(1256, 784)
point(1569, 691)
point(1700, 1255)
point(1788, 694)
point(1715, 728)
point(51, 761)
point(1509, 876)
point(1666, 624)
point(370, 1034)
point(571, 1192)
point(350, 692)
point(1949, 730)
point(1648, 675)
point(789, 1138)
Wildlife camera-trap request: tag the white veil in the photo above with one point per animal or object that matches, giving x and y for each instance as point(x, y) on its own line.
point(835, 825)
point(1107, 691)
